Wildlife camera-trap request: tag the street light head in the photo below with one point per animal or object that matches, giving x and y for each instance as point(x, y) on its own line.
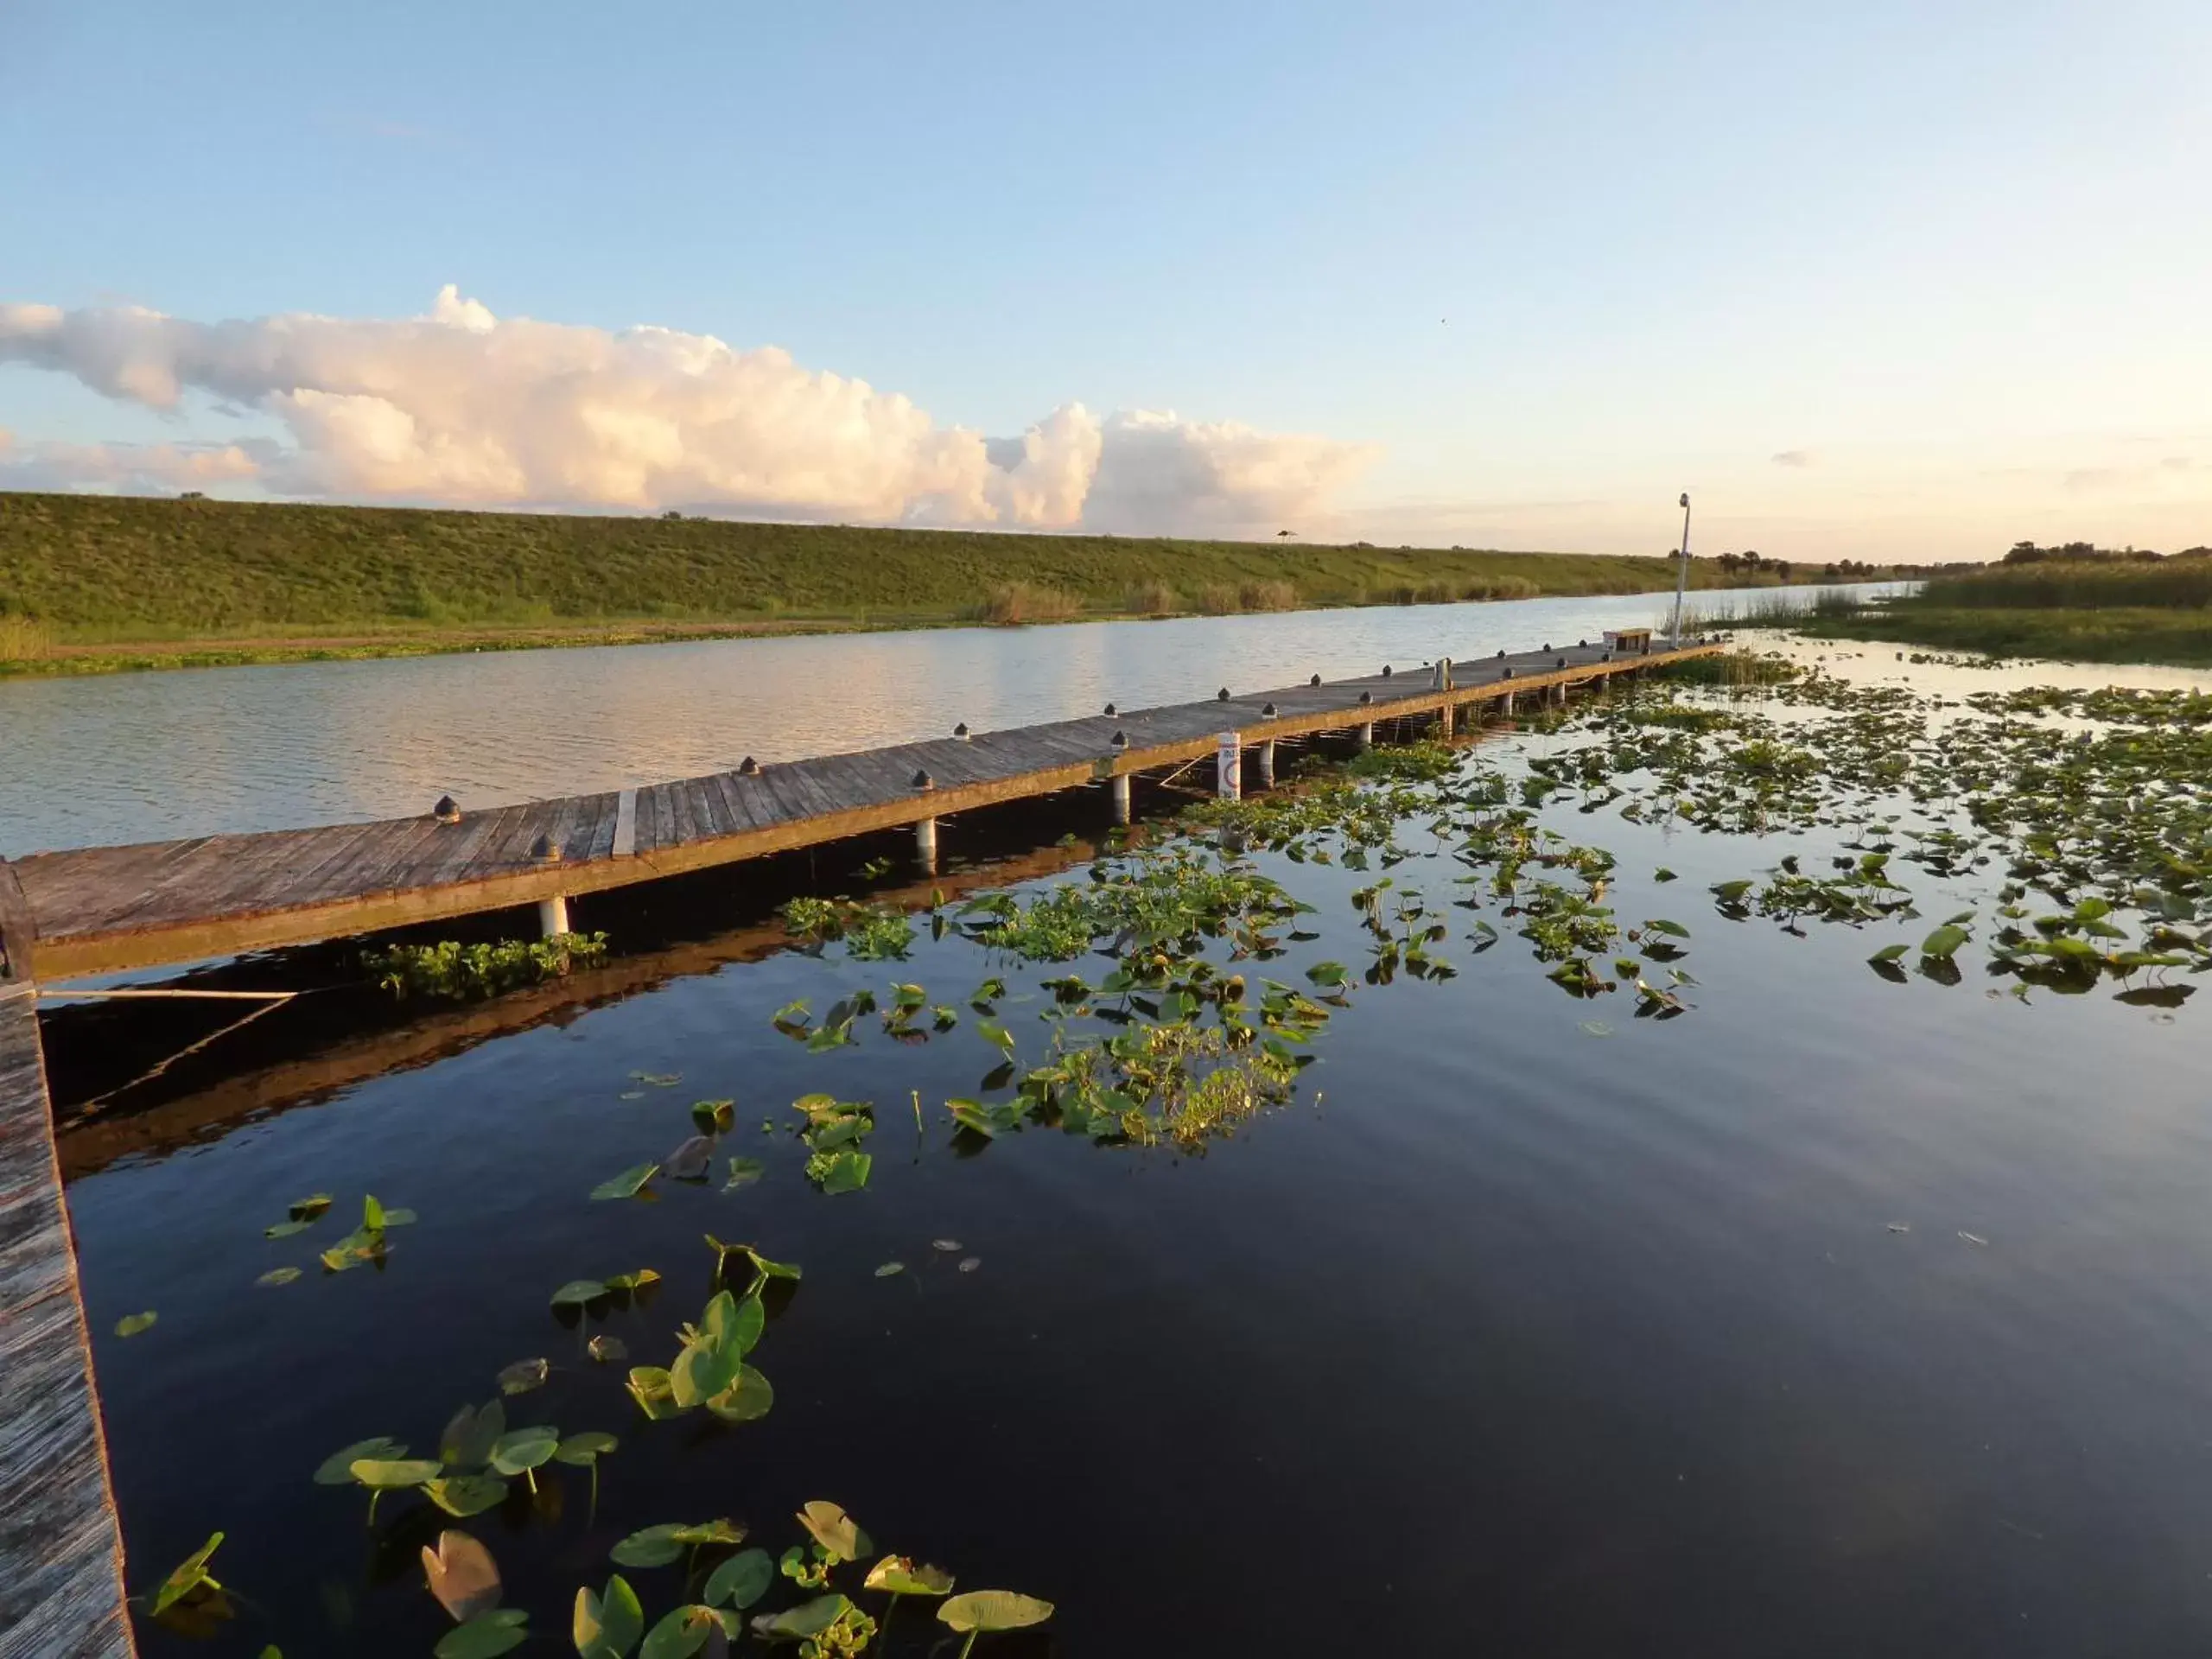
point(1686, 498)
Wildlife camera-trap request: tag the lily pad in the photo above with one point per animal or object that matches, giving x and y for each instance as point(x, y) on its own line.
point(741, 1580)
point(337, 1469)
point(485, 1636)
point(744, 1172)
point(278, 1276)
point(994, 1610)
point(837, 1533)
point(649, 1546)
point(808, 1618)
point(901, 1577)
point(628, 1184)
point(393, 1474)
point(466, 1495)
point(188, 1575)
point(524, 1449)
point(131, 1323)
point(889, 1269)
point(463, 1576)
point(524, 1375)
point(607, 1626)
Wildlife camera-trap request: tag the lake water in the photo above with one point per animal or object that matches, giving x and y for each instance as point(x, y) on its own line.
point(99, 761)
point(1832, 1317)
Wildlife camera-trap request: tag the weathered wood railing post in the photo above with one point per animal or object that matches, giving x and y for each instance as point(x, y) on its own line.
point(61, 1546)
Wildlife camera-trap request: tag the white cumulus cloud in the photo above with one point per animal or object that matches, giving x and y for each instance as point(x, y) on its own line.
point(471, 409)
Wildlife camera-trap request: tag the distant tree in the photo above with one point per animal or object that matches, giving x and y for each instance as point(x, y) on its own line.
point(193, 495)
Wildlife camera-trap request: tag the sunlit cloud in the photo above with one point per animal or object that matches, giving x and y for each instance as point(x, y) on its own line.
point(467, 408)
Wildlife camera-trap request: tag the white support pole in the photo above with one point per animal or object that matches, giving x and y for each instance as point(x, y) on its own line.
point(1121, 787)
point(1508, 710)
point(1366, 735)
point(1228, 770)
point(925, 845)
point(553, 916)
point(1265, 754)
point(1559, 695)
point(1444, 720)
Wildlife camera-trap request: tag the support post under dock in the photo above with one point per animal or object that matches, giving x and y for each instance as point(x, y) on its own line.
point(1264, 762)
point(925, 845)
point(1364, 735)
point(1228, 766)
point(61, 1546)
point(1119, 786)
point(553, 916)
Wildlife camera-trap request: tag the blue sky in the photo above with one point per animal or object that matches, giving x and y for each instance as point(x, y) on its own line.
point(1546, 265)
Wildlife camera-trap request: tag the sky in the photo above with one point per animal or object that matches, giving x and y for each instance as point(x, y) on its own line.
point(1886, 281)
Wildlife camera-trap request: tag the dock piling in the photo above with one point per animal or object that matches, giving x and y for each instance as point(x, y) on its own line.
point(1263, 758)
point(553, 916)
point(1121, 787)
point(1228, 767)
point(925, 845)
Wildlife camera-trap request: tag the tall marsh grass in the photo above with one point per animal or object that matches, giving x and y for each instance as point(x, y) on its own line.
point(1013, 604)
point(2076, 584)
point(24, 639)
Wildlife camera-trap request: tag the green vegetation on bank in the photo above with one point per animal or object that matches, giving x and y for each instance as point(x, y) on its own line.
point(91, 583)
point(2077, 603)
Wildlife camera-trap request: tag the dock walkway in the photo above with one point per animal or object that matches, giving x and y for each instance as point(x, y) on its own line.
point(61, 1546)
point(107, 909)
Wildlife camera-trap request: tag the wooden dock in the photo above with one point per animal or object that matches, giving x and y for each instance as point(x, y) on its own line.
point(61, 1545)
point(104, 909)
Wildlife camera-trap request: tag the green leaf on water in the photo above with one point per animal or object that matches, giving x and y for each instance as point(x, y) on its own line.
point(847, 1172)
point(1943, 944)
point(890, 1268)
point(607, 1626)
point(997, 1035)
point(131, 1323)
point(1888, 953)
point(899, 1576)
point(649, 1546)
point(837, 1533)
point(1662, 874)
point(743, 1172)
point(524, 1375)
point(581, 1450)
point(680, 1633)
point(486, 1636)
point(1729, 893)
point(973, 1116)
point(628, 1184)
point(468, 1439)
point(286, 1229)
point(741, 1580)
point(308, 1208)
point(337, 1469)
point(525, 1448)
point(713, 1114)
point(704, 1370)
point(372, 1214)
point(1674, 929)
point(578, 1292)
point(1327, 973)
point(188, 1575)
point(749, 1397)
point(808, 1618)
point(466, 1495)
point(994, 1610)
point(392, 1474)
point(649, 1386)
point(278, 1276)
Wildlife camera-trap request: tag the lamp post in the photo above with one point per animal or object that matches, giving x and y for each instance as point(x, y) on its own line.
point(1682, 571)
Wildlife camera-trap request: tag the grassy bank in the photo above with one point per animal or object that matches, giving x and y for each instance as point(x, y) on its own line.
point(95, 583)
point(2143, 610)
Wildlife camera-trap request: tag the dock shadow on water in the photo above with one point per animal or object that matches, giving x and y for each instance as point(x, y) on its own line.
point(1721, 1172)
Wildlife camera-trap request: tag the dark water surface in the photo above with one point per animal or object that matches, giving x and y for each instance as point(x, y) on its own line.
point(1506, 1338)
point(100, 761)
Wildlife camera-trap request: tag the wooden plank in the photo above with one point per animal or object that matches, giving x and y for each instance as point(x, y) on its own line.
point(62, 1593)
point(625, 823)
point(18, 934)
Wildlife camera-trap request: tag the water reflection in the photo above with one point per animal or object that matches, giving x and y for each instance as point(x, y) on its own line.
point(145, 757)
